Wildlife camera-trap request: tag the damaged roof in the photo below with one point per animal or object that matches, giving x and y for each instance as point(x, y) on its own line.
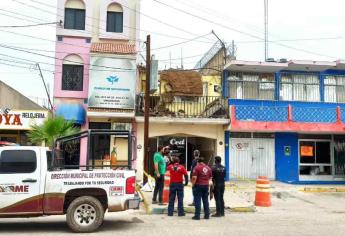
point(183, 83)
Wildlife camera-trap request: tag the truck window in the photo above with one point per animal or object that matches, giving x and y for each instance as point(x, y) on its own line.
point(49, 159)
point(17, 161)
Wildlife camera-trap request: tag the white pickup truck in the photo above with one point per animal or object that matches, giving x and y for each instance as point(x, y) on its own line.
point(35, 182)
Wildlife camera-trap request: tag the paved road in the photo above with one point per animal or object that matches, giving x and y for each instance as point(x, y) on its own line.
point(292, 213)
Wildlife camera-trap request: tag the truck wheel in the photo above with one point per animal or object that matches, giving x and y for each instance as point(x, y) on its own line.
point(85, 214)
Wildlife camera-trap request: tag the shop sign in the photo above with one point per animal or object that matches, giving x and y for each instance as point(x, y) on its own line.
point(112, 88)
point(21, 119)
point(307, 151)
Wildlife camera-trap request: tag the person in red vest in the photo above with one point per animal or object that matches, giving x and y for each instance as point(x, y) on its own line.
point(177, 172)
point(201, 179)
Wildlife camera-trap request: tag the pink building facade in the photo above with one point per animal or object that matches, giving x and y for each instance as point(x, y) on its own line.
point(95, 69)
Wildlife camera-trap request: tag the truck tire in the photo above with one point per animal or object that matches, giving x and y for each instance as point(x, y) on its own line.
point(85, 214)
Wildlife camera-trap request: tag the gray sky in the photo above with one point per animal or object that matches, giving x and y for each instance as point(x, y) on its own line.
point(298, 29)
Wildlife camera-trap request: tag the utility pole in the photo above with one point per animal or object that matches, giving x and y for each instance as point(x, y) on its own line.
point(45, 86)
point(266, 28)
point(147, 106)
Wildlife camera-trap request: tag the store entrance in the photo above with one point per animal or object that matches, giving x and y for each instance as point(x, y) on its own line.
point(100, 143)
point(184, 146)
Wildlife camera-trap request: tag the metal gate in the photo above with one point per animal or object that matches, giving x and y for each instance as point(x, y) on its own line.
point(250, 158)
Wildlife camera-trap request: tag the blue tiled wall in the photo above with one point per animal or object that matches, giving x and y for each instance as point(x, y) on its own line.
point(262, 113)
point(262, 110)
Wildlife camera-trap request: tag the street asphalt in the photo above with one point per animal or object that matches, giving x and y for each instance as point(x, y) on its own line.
point(292, 213)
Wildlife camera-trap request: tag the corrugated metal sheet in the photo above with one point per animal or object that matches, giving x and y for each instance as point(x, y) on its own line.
point(250, 158)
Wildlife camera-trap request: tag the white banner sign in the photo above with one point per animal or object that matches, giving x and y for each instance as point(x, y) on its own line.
point(22, 119)
point(109, 87)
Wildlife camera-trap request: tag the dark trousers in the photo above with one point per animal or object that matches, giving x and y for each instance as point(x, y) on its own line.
point(176, 189)
point(158, 189)
point(219, 197)
point(193, 192)
point(201, 192)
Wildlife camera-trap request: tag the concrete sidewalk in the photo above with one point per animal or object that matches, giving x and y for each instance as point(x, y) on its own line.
point(236, 199)
point(239, 196)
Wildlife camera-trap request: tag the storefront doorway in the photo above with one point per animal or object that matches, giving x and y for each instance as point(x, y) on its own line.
point(252, 156)
point(183, 147)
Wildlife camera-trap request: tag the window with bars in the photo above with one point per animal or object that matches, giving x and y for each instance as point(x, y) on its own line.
point(72, 77)
point(251, 86)
point(74, 19)
point(115, 22)
point(300, 87)
point(334, 89)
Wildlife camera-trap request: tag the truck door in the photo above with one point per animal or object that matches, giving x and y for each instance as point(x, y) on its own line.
point(20, 182)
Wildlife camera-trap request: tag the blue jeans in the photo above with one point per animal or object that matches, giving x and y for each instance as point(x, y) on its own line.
point(176, 189)
point(201, 192)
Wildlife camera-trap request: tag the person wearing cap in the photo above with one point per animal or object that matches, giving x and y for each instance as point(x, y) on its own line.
point(177, 172)
point(160, 168)
point(201, 180)
point(196, 155)
point(218, 179)
point(167, 155)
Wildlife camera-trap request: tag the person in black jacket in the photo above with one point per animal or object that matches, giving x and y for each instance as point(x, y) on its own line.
point(218, 179)
point(196, 155)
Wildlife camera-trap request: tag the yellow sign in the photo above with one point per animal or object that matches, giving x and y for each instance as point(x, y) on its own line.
point(307, 151)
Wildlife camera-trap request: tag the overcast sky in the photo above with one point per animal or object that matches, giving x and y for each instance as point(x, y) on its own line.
point(298, 29)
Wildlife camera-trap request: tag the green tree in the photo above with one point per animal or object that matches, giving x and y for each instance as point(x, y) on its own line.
point(50, 130)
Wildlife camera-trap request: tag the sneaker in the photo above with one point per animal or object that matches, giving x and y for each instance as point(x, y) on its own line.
point(182, 214)
point(206, 217)
point(154, 202)
point(195, 218)
point(216, 215)
point(192, 204)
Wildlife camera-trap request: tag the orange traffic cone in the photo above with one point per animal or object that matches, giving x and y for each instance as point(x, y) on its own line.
point(262, 196)
point(166, 187)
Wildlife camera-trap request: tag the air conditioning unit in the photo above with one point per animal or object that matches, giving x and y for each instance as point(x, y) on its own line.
point(217, 88)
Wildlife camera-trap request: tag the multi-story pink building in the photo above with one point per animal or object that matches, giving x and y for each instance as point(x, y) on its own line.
point(95, 69)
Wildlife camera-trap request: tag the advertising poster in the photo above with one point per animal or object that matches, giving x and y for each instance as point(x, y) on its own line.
point(307, 151)
point(110, 87)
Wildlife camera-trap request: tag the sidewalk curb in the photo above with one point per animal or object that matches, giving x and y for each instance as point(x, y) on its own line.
point(322, 190)
point(163, 210)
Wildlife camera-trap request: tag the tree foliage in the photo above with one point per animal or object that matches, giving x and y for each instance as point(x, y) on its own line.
point(50, 130)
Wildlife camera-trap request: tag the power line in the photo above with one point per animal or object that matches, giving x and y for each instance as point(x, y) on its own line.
point(238, 31)
point(25, 26)
point(52, 57)
point(98, 19)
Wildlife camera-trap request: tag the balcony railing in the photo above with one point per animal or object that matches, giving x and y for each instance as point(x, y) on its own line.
point(185, 107)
